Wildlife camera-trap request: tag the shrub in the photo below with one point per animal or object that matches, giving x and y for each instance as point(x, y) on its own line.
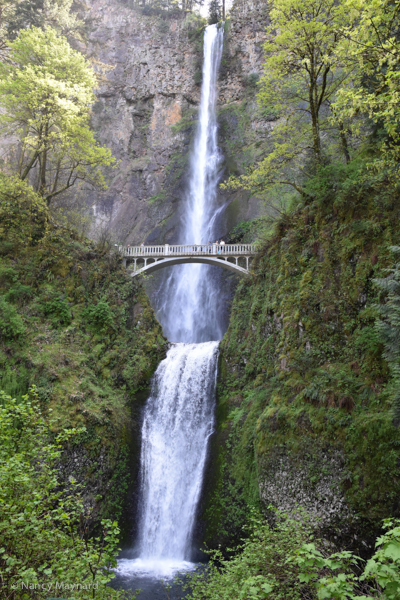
point(261, 568)
point(44, 536)
point(250, 81)
point(288, 561)
point(198, 77)
point(100, 316)
point(58, 311)
point(379, 579)
point(23, 213)
point(11, 324)
point(163, 26)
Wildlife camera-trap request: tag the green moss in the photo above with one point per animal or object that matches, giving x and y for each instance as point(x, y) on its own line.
point(157, 198)
point(88, 340)
point(302, 362)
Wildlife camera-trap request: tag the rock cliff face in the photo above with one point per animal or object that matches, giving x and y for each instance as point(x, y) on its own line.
point(150, 72)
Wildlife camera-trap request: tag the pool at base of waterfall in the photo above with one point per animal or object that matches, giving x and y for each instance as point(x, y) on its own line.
point(156, 579)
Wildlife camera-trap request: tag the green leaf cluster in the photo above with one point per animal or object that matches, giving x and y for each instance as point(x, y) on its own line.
point(44, 537)
point(259, 568)
point(380, 577)
point(287, 559)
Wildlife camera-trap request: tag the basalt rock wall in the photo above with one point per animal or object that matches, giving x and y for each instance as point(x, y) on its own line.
point(149, 88)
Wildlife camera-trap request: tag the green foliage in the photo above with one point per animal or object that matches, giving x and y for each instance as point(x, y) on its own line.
point(372, 93)
point(14, 383)
point(163, 26)
point(84, 323)
point(43, 527)
point(100, 316)
point(251, 81)
point(260, 568)
point(302, 358)
point(198, 77)
point(58, 311)
point(388, 327)
point(41, 13)
point(289, 560)
point(46, 89)
point(11, 324)
point(23, 213)
point(302, 72)
point(115, 498)
point(340, 581)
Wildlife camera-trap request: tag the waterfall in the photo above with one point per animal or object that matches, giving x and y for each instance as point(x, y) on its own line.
point(192, 304)
point(178, 420)
point(179, 414)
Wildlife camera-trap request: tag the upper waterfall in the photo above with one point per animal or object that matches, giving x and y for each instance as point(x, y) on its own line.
point(191, 310)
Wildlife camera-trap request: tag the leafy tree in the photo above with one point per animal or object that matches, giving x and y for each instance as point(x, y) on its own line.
point(302, 74)
point(43, 527)
point(7, 10)
point(41, 13)
point(46, 89)
point(372, 50)
point(214, 12)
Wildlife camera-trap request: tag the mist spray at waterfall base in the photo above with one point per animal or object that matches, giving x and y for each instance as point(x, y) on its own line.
point(179, 414)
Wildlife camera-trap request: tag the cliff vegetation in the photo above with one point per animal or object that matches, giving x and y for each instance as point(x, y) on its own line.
point(308, 404)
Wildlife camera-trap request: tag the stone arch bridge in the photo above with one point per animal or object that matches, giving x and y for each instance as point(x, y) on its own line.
point(146, 259)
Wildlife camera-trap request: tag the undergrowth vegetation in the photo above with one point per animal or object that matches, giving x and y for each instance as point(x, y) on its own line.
point(309, 362)
point(289, 560)
point(80, 333)
point(36, 507)
point(308, 400)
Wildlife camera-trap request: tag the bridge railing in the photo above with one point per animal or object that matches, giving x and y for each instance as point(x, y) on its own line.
point(187, 250)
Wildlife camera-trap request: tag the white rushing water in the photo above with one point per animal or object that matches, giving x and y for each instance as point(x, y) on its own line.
point(179, 414)
point(178, 420)
point(192, 308)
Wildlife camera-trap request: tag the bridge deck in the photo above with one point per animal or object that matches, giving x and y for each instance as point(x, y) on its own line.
point(233, 250)
point(158, 257)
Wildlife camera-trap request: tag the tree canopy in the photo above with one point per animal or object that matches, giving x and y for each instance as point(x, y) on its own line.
point(46, 90)
point(331, 78)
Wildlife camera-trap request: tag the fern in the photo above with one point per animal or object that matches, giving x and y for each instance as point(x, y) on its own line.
point(388, 327)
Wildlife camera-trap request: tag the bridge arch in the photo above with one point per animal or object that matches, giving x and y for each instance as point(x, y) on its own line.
point(180, 260)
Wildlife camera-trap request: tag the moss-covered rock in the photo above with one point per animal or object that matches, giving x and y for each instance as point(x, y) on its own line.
point(88, 341)
point(302, 379)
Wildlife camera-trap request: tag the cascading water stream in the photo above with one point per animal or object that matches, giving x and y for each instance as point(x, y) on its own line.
point(179, 414)
point(178, 420)
point(192, 309)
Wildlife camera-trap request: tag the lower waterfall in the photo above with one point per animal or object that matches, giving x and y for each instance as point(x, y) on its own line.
point(178, 420)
